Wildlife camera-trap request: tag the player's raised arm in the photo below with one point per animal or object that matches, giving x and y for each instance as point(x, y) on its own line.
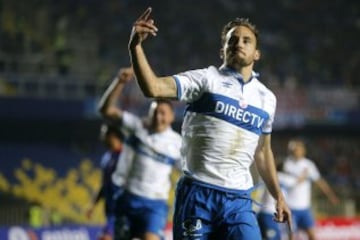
point(107, 105)
point(150, 84)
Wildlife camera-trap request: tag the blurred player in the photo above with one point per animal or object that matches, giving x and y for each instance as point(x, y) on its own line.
point(110, 136)
point(271, 230)
point(299, 197)
point(227, 125)
point(153, 149)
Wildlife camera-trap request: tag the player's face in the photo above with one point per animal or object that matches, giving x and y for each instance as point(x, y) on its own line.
point(162, 117)
point(112, 141)
point(239, 49)
point(299, 150)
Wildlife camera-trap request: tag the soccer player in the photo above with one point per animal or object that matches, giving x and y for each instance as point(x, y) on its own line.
point(271, 230)
point(110, 136)
point(152, 149)
point(299, 197)
point(227, 124)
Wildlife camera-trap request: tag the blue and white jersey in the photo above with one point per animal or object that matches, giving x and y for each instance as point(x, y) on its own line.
point(300, 196)
point(148, 157)
point(222, 125)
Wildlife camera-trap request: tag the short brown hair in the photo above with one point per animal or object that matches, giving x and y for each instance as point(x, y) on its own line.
point(165, 101)
point(240, 22)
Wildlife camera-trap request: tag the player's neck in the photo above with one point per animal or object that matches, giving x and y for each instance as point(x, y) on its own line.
point(245, 71)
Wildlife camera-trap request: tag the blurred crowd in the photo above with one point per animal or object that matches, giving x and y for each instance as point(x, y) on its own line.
point(302, 42)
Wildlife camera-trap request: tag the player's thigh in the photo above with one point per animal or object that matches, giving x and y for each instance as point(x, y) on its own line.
point(248, 229)
point(151, 236)
point(192, 217)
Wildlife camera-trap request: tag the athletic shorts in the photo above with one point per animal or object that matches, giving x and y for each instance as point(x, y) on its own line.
point(270, 230)
point(204, 211)
point(141, 215)
point(303, 219)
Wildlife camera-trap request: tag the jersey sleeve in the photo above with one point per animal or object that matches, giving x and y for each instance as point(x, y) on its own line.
point(313, 172)
point(271, 109)
point(130, 123)
point(191, 84)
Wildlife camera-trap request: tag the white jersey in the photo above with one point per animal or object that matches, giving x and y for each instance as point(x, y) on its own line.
point(299, 197)
point(147, 159)
point(286, 183)
point(222, 124)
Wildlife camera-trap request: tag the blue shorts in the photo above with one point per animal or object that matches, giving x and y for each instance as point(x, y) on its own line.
point(303, 219)
point(141, 215)
point(205, 211)
point(270, 230)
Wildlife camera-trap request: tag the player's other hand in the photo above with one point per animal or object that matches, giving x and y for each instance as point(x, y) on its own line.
point(125, 74)
point(142, 27)
point(283, 213)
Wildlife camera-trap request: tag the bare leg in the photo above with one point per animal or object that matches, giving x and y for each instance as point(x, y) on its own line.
point(150, 236)
point(310, 233)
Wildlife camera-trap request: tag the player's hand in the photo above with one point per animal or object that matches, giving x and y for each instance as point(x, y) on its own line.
point(283, 213)
point(125, 74)
point(142, 27)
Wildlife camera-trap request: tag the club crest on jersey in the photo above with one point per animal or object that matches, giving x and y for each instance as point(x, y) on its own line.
point(242, 103)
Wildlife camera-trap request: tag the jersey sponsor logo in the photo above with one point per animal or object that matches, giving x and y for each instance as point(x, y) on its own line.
point(239, 114)
point(234, 111)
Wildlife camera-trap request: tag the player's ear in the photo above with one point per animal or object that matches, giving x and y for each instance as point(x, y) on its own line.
point(221, 53)
point(257, 54)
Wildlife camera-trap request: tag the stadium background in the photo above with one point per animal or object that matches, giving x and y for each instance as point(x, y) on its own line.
point(57, 57)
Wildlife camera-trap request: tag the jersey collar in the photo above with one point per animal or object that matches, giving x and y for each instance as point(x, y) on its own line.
point(232, 72)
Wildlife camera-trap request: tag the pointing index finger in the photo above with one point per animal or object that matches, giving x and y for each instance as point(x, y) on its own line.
point(145, 15)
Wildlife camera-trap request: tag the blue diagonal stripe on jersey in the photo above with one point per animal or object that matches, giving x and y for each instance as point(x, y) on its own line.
point(225, 108)
point(140, 148)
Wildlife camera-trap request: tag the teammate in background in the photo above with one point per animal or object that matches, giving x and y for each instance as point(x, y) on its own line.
point(271, 230)
point(299, 197)
point(227, 125)
point(152, 150)
point(110, 136)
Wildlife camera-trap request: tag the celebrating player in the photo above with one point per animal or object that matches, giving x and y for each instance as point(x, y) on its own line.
point(227, 125)
point(299, 197)
point(152, 149)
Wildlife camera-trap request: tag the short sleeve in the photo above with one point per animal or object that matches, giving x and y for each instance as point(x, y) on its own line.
point(271, 109)
point(190, 84)
point(314, 173)
point(131, 122)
